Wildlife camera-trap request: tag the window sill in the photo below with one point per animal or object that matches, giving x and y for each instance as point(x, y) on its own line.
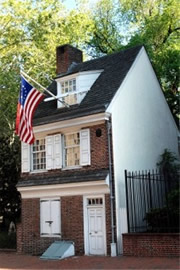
point(71, 168)
point(39, 171)
point(51, 235)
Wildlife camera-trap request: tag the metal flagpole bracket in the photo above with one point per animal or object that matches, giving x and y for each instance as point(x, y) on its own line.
point(45, 89)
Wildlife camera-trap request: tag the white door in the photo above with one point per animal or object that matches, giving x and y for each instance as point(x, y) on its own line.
point(96, 230)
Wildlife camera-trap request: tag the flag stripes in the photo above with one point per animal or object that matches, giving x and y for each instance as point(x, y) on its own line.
point(29, 100)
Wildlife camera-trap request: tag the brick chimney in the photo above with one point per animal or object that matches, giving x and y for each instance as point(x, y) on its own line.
point(65, 56)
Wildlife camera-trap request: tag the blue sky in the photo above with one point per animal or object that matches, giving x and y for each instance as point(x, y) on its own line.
point(70, 4)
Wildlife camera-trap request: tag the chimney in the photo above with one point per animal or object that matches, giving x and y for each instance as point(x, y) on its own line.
point(65, 56)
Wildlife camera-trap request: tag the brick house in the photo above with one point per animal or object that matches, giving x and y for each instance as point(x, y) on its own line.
point(72, 181)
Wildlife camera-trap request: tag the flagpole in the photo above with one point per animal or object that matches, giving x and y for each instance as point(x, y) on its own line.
point(45, 89)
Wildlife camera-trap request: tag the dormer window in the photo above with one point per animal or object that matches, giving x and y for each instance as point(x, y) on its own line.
point(68, 91)
point(73, 88)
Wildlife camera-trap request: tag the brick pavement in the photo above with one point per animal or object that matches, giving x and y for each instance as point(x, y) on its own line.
point(11, 260)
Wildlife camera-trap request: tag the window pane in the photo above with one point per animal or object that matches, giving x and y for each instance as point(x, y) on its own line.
point(72, 149)
point(39, 155)
point(68, 87)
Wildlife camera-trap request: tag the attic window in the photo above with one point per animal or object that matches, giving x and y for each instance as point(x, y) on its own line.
point(68, 91)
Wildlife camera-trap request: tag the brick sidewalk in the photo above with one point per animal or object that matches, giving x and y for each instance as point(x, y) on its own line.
point(11, 260)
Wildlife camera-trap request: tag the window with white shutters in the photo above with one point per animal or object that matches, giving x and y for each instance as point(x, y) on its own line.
point(51, 152)
point(77, 149)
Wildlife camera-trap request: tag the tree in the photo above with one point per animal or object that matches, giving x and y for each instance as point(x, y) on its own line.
point(127, 23)
point(9, 175)
point(156, 24)
point(30, 31)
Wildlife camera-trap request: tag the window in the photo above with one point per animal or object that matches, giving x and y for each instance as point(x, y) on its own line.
point(95, 201)
point(57, 151)
point(68, 89)
point(50, 217)
point(71, 150)
point(39, 155)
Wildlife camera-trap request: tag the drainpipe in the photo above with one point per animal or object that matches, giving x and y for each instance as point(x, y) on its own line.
point(113, 244)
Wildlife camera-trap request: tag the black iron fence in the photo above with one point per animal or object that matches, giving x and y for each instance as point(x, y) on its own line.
point(152, 200)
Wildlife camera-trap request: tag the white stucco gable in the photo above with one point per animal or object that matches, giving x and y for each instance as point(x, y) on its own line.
point(142, 127)
point(139, 111)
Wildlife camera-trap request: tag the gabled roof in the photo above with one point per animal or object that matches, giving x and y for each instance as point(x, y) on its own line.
point(114, 66)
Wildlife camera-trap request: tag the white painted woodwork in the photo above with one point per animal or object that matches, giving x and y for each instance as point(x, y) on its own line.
point(49, 152)
point(94, 223)
point(50, 217)
point(142, 127)
point(71, 124)
point(57, 151)
point(71, 189)
point(53, 152)
point(25, 157)
point(55, 217)
point(96, 232)
point(45, 216)
point(85, 158)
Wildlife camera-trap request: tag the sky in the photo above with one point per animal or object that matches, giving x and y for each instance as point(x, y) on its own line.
point(71, 4)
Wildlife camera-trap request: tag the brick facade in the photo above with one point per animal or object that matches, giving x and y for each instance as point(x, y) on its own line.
point(72, 228)
point(151, 244)
point(99, 154)
point(28, 231)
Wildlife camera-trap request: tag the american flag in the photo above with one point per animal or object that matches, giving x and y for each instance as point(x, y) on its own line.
point(28, 101)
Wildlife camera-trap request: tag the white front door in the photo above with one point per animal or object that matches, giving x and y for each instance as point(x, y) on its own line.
point(96, 230)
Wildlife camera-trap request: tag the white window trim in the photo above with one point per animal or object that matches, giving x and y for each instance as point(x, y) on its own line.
point(60, 229)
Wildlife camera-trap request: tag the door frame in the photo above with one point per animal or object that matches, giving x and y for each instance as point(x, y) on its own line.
point(85, 217)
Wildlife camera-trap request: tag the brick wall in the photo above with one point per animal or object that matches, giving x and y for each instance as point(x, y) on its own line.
point(72, 221)
point(28, 231)
point(154, 244)
point(99, 147)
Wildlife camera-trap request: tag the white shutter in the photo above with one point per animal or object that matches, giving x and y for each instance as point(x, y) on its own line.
point(57, 151)
point(49, 152)
point(25, 157)
point(55, 217)
point(45, 216)
point(53, 152)
point(85, 157)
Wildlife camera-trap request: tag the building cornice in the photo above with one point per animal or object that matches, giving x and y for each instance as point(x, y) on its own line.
point(71, 189)
point(79, 121)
